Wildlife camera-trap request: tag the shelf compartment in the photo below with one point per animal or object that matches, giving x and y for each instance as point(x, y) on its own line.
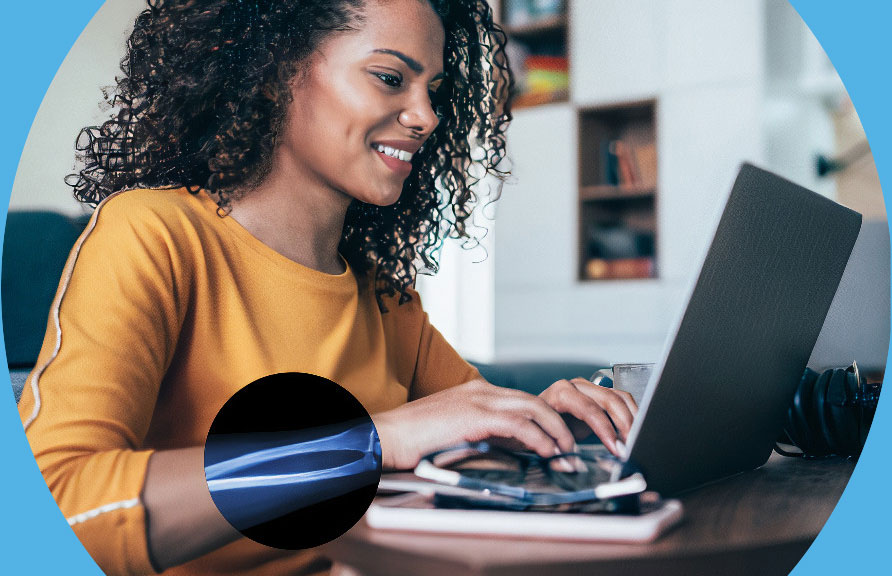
point(618, 145)
point(537, 51)
point(618, 193)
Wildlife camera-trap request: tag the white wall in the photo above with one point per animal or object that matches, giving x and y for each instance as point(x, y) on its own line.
point(735, 80)
point(703, 62)
point(801, 93)
point(72, 102)
point(460, 298)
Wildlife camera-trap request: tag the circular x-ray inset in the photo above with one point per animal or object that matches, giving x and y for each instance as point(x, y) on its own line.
point(292, 460)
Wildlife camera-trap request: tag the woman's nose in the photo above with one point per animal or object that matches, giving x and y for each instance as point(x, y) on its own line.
point(418, 116)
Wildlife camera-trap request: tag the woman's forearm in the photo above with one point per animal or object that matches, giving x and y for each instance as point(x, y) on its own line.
point(183, 522)
point(251, 478)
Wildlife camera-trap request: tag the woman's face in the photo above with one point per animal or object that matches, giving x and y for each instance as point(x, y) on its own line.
point(363, 108)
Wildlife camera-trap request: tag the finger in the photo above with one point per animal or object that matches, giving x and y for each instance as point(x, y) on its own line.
point(625, 396)
point(596, 419)
point(565, 397)
point(588, 410)
point(629, 400)
point(545, 417)
point(526, 432)
point(613, 402)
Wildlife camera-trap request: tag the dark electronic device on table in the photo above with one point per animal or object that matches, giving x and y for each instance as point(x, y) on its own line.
point(718, 397)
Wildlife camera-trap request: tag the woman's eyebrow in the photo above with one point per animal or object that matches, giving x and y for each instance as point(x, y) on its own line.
point(413, 64)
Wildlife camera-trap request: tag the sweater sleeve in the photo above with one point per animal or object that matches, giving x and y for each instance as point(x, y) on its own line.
point(88, 403)
point(433, 363)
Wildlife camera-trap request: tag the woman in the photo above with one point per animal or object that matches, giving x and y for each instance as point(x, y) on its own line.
point(285, 165)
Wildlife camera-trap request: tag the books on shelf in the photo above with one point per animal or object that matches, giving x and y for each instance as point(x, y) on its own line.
point(620, 268)
point(546, 74)
point(617, 251)
point(546, 81)
point(541, 78)
point(545, 63)
point(624, 163)
point(527, 99)
point(538, 50)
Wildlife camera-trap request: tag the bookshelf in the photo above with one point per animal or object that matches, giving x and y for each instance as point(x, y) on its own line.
point(537, 33)
point(618, 192)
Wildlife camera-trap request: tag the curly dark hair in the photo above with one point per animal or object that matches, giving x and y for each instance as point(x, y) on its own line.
point(204, 94)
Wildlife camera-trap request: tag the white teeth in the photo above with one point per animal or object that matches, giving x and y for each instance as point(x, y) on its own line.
point(394, 153)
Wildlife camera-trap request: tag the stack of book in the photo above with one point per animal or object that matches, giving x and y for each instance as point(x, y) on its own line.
point(547, 74)
point(618, 252)
point(620, 268)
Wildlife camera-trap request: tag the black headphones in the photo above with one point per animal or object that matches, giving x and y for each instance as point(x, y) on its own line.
point(831, 413)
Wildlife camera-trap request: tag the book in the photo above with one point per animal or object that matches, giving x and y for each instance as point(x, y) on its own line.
point(645, 159)
point(544, 62)
point(609, 168)
point(547, 81)
point(619, 268)
point(627, 168)
point(525, 99)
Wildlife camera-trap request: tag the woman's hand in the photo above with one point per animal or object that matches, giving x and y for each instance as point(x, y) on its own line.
point(479, 411)
point(592, 408)
point(470, 412)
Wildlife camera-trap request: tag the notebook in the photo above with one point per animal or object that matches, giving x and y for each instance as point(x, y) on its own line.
point(417, 513)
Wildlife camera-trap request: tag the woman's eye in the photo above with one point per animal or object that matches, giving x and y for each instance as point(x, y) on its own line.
point(390, 79)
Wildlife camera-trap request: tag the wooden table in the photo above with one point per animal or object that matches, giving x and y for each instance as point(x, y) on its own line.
point(760, 522)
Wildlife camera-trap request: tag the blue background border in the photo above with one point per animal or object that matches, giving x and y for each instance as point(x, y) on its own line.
point(34, 537)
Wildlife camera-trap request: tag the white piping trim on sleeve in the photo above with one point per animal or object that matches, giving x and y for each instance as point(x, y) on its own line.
point(90, 514)
point(66, 277)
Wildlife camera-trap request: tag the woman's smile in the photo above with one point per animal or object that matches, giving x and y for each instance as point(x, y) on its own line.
point(397, 154)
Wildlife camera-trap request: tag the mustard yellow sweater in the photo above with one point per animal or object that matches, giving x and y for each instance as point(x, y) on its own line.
point(164, 311)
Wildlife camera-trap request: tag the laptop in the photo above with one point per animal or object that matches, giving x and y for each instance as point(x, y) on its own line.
point(717, 398)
